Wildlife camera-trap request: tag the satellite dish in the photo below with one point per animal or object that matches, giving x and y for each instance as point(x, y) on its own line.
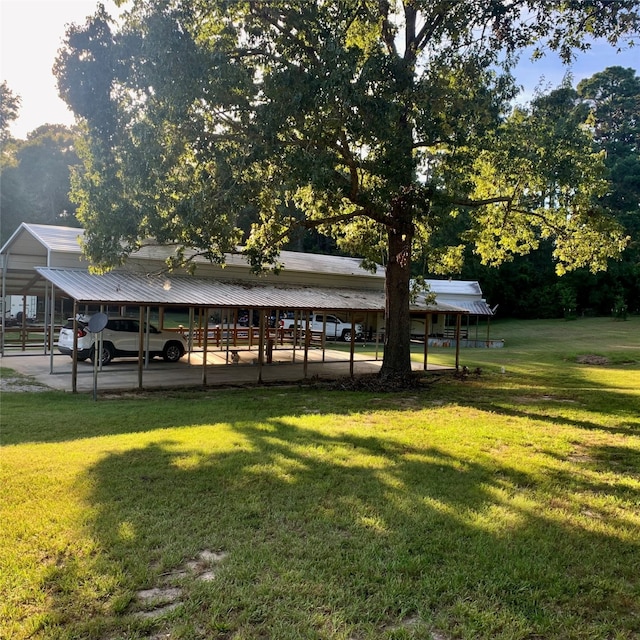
point(98, 322)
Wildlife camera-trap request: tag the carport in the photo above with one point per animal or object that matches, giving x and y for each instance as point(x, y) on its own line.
point(47, 261)
point(204, 295)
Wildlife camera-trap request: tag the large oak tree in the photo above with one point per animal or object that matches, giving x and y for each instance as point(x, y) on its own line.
point(382, 123)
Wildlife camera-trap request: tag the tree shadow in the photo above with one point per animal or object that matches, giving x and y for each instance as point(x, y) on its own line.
point(545, 400)
point(113, 414)
point(546, 412)
point(347, 535)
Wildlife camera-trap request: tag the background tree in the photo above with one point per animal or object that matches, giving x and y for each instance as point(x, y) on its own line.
point(9, 110)
point(35, 180)
point(613, 96)
point(608, 104)
point(377, 123)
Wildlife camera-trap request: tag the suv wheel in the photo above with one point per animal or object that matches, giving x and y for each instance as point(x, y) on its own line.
point(107, 354)
point(346, 336)
point(172, 352)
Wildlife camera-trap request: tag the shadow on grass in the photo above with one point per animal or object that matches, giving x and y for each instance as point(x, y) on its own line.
point(56, 417)
point(347, 536)
point(550, 398)
point(546, 412)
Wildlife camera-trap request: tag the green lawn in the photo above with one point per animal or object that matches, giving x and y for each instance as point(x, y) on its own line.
point(505, 505)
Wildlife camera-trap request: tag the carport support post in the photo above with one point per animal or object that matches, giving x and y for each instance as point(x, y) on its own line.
point(99, 341)
point(353, 344)
point(3, 300)
point(199, 334)
point(307, 336)
point(225, 316)
point(427, 322)
point(146, 337)
point(458, 323)
point(324, 335)
point(190, 335)
point(74, 359)
point(205, 347)
point(46, 343)
point(140, 345)
point(52, 321)
point(297, 327)
point(23, 326)
point(261, 350)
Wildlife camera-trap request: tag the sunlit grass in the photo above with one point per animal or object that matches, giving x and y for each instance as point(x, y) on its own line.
point(500, 506)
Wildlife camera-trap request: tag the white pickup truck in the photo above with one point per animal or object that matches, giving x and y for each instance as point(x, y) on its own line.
point(330, 324)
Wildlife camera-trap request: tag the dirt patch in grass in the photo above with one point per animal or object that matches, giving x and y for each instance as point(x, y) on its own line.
point(163, 598)
point(378, 384)
point(21, 383)
point(592, 359)
point(545, 398)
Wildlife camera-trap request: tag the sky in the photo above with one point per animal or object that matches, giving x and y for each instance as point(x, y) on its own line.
point(31, 32)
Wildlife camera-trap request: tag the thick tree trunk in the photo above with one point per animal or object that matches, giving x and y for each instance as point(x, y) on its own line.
point(397, 346)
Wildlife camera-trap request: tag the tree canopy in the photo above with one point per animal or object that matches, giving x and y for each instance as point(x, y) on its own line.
point(384, 124)
point(613, 97)
point(35, 179)
point(608, 105)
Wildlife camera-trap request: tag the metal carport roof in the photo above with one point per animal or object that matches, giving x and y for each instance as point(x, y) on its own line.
point(474, 307)
point(121, 287)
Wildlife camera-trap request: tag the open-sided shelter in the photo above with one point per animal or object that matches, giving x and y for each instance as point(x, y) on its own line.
point(47, 261)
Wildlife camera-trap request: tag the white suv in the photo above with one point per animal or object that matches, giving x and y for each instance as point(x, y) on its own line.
point(120, 338)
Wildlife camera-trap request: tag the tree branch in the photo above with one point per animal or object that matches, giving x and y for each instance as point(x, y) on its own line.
point(427, 31)
point(474, 204)
point(387, 31)
point(261, 11)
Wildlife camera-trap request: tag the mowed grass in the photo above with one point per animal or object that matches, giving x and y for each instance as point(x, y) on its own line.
point(505, 505)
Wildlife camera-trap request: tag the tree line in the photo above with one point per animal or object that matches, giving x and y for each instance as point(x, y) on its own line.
point(35, 174)
point(607, 106)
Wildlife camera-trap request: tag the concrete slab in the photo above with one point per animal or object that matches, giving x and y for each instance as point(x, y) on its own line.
point(124, 374)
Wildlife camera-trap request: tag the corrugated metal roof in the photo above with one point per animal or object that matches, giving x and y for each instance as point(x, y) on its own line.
point(474, 307)
point(291, 261)
point(465, 294)
point(66, 239)
point(122, 287)
point(455, 287)
point(236, 289)
point(55, 238)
